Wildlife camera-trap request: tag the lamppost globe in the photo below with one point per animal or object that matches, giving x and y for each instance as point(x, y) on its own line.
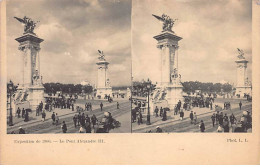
point(148, 86)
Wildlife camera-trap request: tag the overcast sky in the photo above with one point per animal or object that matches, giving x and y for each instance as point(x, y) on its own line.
point(73, 31)
point(212, 30)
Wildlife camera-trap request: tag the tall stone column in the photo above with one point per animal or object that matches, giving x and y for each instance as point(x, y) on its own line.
point(102, 74)
point(170, 79)
point(29, 45)
point(241, 72)
point(243, 85)
point(169, 87)
point(30, 48)
point(103, 83)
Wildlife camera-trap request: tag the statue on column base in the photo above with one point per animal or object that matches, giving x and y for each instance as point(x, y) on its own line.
point(175, 77)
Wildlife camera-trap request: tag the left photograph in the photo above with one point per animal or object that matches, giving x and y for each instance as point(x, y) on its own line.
point(68, 66)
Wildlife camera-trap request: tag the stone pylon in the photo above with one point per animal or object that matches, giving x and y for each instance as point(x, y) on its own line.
point(169, 87)
point(32, 89)
point(103, 84)
point(243, 85)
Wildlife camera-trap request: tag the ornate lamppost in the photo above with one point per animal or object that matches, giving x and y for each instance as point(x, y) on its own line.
point(148, 112)
point(10, 88)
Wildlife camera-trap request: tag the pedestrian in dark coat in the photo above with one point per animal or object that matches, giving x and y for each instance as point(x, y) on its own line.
point(53, 118)
point(79, 119)
point(37, 111)
point(181, 114)
point(26, 116)
point(83, 119)
point(88, 127)
point(217, 117)
point(213, 117)
point(191, 117)
point(134, 114)
point(226, 126)
point(220, 119)
point(139, 118)
point(117, 105)
point(225, 117)
point(72, 106)
point(156, 110)
point(164, 115)
point(87, 119)
point(202, 126)
point(86, 106)
point(94, 120)
point(240, 105)
point(101, 106)
point(23, 113)
point(161, 111)
point(90, 106)
point(43, 115)
point(64, 127)
point(18, 112)
point(232, 119)
point(75, 118)
point(175, 110)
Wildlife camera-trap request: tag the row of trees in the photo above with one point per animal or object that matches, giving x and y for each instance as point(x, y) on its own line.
point(67, 88)
point(140, 88)
point(209, 87)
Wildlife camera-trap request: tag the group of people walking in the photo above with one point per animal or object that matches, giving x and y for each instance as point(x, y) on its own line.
point(225, 122)
point(162, 113)
point(84, 122)
point(60, 102)
point(25, 114)
point(88, 106)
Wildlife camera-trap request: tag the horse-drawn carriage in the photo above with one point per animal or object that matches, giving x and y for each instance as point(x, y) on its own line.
point(245, 122)
point(107, 123)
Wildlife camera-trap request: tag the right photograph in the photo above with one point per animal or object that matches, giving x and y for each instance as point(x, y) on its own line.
point(191, 66)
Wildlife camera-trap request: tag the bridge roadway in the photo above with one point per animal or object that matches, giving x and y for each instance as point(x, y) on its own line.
point(47, 127)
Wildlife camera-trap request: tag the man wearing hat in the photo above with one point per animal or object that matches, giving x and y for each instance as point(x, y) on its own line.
point(21, 130)
point(158, 129)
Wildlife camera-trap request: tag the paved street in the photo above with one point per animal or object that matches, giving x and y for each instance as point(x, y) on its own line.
point(173, 124)
point(36, 126)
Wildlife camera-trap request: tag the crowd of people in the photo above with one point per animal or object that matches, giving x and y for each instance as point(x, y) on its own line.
point(84, 122)
point(61, 102)
point(223, 121)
